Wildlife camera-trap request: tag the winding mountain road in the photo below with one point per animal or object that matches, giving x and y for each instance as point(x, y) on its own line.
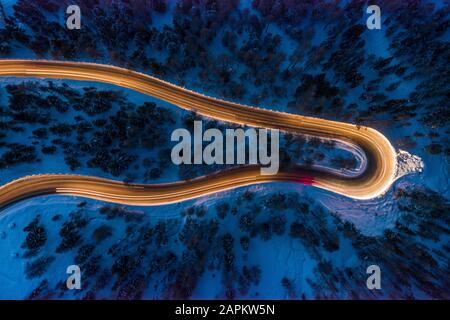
point(373, 181)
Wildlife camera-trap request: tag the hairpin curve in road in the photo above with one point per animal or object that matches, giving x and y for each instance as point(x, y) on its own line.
point(373, 181)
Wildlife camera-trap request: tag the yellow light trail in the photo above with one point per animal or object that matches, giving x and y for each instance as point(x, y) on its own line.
point(375, 179)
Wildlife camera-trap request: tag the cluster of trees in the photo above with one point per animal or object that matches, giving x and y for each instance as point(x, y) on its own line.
point(252, 57)
point(38, 267)
point(17, 153)
point(36, 237)
point(35, 240)
point(109, 138)
point(252, 54)
point(186, 43)
point(349, 57)
point(147, 253)
point(419, 46)
point(418, 54)
point(70, 232)
point(106, 28)
point(413, 254)
point(306, 150)
point(252, 66)
point(315, 95)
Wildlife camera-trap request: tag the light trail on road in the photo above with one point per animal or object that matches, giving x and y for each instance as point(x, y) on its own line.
point(373, 181)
